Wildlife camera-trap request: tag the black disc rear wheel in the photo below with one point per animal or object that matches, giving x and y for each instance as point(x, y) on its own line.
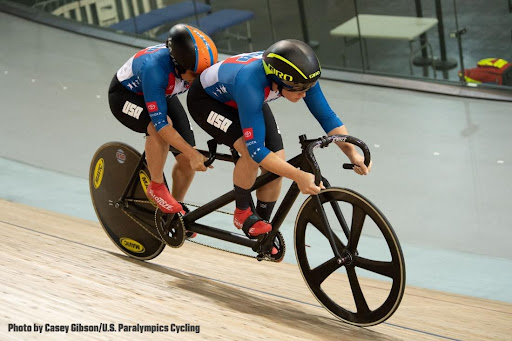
point(130, 225)
point(365, 285)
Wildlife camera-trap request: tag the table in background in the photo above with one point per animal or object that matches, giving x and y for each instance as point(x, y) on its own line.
point(386, 27)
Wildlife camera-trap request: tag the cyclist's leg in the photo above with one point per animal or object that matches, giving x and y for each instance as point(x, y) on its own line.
point(247, 173)
point(182, 172)
point(130, 109)
point(156, 154)
point(244, 176)
point(246, 169)
point(222, 123)
point(201, 107)
point(268, 194)
point(182, 176)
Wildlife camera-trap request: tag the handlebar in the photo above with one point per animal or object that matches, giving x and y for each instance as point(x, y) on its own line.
point(212, 149)
point(324, 141)
point(211, 154)
point(308, 145)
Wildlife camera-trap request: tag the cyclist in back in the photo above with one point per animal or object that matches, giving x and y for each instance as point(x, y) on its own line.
point(142, 96)
point(229, 101)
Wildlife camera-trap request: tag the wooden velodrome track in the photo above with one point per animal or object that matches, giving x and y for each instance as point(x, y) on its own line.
point(59, 270)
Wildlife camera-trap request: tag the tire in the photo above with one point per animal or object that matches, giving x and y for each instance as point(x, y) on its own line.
point(355, 299)
point(130, 227)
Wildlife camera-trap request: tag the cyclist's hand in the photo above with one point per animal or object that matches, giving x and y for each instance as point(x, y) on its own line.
point(360, 168)
point(197, 161)
point(306, 183)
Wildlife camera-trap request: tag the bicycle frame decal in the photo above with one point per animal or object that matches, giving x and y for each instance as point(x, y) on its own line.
point(339, 139)
point(132, 245)
point(98, 172)
point(120, 156)
point(144, 181)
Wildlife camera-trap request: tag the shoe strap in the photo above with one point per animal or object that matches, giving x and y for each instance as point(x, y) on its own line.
point(249, 222)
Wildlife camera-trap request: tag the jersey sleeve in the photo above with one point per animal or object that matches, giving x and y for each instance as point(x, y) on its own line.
point(317, 104)
point(154, 83)
point(249, 98)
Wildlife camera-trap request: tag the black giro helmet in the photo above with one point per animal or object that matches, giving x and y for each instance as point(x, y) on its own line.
point(191, 49)
point(292, 65)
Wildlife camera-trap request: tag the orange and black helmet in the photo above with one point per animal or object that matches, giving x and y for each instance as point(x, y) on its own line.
point(191, 49)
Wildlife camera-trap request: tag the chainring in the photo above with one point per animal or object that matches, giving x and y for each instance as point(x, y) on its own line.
point(171, 228)
point(279, 244)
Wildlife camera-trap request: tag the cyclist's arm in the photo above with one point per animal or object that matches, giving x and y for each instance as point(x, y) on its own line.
point(304, 180)
point(332, 125)
point(153, 87)
point(330, 122)
point(250, 101)
point(171, 136)
point(249, 97)
point(254, 122)
point(318, 106)
point(348, 148)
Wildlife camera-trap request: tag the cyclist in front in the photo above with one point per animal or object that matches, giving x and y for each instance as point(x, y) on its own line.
point(142, 97)
point(229, 101)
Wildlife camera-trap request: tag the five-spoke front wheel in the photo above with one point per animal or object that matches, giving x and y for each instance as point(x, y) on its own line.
point(350, 256)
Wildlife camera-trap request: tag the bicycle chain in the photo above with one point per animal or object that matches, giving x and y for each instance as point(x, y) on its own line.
point(238, 253)
point(219, 211)
point(283, 246)
point(229, 251)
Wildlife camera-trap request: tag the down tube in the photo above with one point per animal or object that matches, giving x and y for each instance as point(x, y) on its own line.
point(228, 197)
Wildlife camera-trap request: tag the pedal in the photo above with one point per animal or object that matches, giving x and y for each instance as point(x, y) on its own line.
point(190, 234)
point(261, 257)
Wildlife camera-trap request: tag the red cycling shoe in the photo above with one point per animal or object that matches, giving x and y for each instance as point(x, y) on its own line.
point(159, 194)
point(250, 223)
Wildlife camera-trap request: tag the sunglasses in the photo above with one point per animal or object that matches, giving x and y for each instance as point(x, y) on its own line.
point(297, 87)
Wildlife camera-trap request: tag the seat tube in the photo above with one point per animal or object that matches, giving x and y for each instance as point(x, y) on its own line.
point(133, 177)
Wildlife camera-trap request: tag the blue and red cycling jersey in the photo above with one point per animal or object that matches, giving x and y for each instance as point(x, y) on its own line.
point(240, 82)
point(150, 72)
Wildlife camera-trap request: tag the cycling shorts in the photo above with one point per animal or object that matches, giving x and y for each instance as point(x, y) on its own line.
point(200, 105)
point(137, 118)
